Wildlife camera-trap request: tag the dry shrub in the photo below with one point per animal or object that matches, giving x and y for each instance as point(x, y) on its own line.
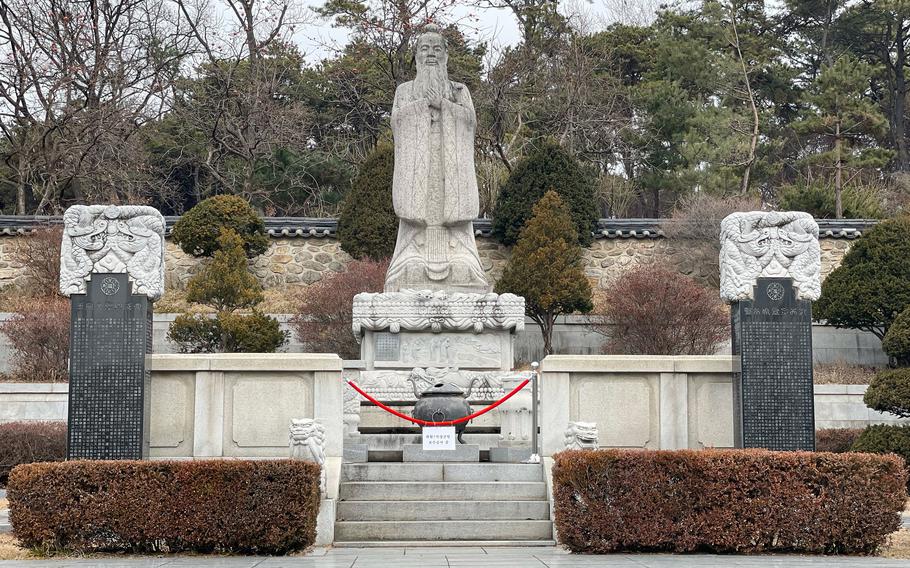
point(324, 319)
point(30, 442)
point(698, 215)
point(742, 501)
point(841, 372)
point(696, 222)
point(38, 334)
point(243, 506)
point(40, 255)
point(653, 311)
point(837, 440)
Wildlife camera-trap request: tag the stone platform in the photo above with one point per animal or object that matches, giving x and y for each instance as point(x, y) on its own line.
point(461, 453)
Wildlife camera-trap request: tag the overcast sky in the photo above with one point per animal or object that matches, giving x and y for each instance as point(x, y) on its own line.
point(496, 27)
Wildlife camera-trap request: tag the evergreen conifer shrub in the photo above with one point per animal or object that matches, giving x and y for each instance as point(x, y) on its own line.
point(869, 289)
point(889, 391)
point(885, 439)
point(546, 267)
point(549, 167)
point(897, 341)
point(367, 225)
point(198, 230)
point(227, 286)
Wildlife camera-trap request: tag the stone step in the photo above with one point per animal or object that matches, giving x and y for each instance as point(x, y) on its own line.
point(443, 491)
point(441, 472)
point(442, 510)
point(443, 530)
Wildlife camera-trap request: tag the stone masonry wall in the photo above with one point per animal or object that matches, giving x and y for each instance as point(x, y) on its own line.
point(291, 262)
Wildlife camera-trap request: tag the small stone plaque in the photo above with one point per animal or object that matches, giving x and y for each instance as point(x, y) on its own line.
point(388, 346)
point(110, 335)
point(773, 393)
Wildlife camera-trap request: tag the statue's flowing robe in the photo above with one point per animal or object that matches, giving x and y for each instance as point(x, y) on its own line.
point(412, 188)
point(434, 193)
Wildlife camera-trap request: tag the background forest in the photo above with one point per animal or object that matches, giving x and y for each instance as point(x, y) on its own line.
point(801, 104)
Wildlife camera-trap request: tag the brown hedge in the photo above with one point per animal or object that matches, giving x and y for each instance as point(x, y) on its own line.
point(30, 442)
point(262, 507)
point(837, 440)
point(726, 501)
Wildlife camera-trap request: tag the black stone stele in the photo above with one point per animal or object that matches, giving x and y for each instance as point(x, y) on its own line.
point(110, 335)
point(773, 395)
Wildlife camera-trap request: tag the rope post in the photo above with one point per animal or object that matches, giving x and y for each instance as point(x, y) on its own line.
point(535, 449)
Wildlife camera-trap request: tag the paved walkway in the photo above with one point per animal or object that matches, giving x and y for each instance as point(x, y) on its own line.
point(461, 557)
point(468, 558)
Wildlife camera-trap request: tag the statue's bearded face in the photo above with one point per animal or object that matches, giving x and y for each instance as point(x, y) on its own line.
point(431, 52)
point(432, 78)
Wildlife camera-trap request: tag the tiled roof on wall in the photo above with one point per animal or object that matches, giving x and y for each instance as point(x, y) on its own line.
point(312, 227)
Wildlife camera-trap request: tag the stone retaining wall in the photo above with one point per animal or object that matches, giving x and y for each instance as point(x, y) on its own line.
point(299, 261)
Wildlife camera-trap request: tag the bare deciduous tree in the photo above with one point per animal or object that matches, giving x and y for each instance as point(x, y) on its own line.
point(77, 82)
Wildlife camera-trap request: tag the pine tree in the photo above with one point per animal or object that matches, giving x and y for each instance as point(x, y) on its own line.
point(226, 284)
point(843, 120)
point(546, 267)
point(368, 226)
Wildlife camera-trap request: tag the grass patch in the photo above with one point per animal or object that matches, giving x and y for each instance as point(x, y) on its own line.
point(10, 549)
point(898, 545)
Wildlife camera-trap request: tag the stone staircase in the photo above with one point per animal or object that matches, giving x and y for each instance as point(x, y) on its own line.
point(395, 504)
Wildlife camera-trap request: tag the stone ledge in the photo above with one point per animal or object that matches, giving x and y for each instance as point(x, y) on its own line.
point(638, 363)
point(245, 362)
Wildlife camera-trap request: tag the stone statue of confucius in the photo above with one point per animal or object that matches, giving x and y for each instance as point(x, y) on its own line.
point(434, 189)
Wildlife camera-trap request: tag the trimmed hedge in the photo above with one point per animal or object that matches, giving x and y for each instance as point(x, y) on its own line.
point(30, 442)
point(260, 507)
point(726, 501)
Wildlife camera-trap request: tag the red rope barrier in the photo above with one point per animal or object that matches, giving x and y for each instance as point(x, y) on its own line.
point(447, 422)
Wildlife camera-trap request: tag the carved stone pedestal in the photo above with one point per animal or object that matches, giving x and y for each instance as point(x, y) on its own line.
point(411, 340)
point(403, 330)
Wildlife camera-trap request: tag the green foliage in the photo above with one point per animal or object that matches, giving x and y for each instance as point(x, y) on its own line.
point(225, 283)
point(896, 342)
point(870, 287)
point(368, 226)
point(885, 439)
point(889, 391)
point(251, 333)
point(227, 332)
point(546, 267)
point(199, 230)
point(195, 333)
point(839, 111)
point(547, 168)
point(817, 199)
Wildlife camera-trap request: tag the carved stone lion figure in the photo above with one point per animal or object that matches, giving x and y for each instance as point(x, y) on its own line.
point(775, 244)
point(307, 443)
point(581, 436)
